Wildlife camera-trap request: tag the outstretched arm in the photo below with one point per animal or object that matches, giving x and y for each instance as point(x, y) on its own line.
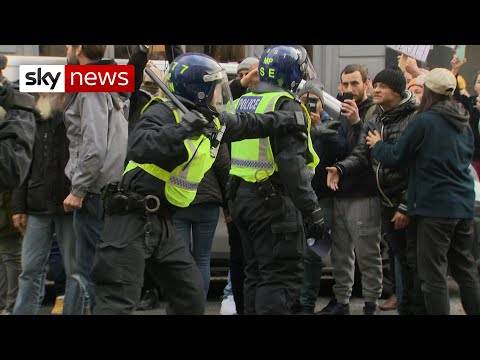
point(245, 125)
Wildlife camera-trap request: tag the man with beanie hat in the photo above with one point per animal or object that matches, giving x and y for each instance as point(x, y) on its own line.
point(245, 66)
point(247, 76)
point(397, 107)
point(314, 87)
point(392, 77)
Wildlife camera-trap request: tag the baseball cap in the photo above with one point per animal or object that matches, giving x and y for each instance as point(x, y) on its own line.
point(441, 81)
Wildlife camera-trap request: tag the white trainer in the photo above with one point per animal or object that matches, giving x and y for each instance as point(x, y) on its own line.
point(228, 306)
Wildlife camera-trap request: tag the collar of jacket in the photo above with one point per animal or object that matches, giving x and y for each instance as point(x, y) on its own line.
point(102, 62)
point(263, 87)
point(406, 106)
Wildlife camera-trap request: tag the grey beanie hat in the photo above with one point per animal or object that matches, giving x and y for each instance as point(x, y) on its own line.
point(246, 63)
point(315, 87)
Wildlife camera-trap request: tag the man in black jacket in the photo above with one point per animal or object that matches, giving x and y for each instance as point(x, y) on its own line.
point(397, 109)
point(163, 158)
point(356, 209)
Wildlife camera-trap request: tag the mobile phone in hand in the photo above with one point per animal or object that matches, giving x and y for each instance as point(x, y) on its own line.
point(312, 104)
point(347, 96)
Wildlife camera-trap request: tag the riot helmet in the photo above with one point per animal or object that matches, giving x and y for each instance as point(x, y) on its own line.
point(286, 66)
point(200, 79)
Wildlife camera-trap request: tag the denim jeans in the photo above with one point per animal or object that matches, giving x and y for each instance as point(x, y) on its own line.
point(228, 288)
point(198, 222)
point(55, 262)
point(88, 226)
point(37, 243)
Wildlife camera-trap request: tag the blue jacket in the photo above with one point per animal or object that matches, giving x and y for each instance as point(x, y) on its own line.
point(438, 147)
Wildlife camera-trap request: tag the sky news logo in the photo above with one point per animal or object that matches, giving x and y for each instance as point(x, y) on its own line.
point(77, 78)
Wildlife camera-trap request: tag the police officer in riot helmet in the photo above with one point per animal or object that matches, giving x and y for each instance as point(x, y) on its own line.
point(17, 131)
point(274, 203)
point(168, 154)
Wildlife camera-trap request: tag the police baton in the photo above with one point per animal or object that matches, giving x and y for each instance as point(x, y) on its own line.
point(214, 137)
point(165, 89)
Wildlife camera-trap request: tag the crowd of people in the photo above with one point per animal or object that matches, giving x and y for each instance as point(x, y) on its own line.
point(119, 194)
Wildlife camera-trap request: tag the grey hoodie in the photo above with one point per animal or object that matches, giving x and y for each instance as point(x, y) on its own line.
point(453, 112)
point(97, 128)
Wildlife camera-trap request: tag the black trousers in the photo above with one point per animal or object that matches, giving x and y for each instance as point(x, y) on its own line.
point(120, 263)
point(404, 246)
point(274, 243)
point(443, 243)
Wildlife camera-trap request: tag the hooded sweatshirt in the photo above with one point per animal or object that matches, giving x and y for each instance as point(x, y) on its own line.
point(438, 148)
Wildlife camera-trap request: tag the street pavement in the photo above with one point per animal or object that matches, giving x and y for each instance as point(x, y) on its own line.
point(356, 303)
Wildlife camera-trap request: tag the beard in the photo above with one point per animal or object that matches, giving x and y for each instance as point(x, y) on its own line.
point(72, 60)
point(152, 88)
point(47, 104)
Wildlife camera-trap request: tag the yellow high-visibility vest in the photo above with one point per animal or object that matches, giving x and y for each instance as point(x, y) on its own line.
point(181, 183)
point(252, 159)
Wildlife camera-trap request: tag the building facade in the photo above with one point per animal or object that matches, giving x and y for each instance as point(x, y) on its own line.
point(328, 60)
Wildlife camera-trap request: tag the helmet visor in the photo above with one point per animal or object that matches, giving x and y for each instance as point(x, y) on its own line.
point(221, 97)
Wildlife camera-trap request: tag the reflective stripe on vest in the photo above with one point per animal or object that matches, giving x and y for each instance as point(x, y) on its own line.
point(181, 183)
point(252, 159)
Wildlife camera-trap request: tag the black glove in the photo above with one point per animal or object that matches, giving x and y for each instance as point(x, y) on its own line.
point(7, 96)
point(194, 122)
point(321, 131)
point(315, 225)
point(286, 124)
point(299, 128)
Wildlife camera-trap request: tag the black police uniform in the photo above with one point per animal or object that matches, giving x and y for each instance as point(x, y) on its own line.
point(132, 237)
point(272, 232)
